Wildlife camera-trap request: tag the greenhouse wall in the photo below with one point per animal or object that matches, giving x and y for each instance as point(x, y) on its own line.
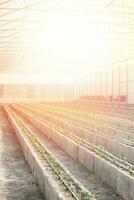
point(113, 83)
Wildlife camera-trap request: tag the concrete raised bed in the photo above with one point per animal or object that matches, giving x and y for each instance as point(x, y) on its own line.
point(119, 180)
point(115, 147)
point(49, 187)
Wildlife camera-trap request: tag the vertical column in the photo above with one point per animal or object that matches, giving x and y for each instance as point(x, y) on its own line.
point(89, 87)
point(73, 89)
point(127, 84)
point(112, 87)
point(83, 82)
point(106, 85)
point(90, 84)
point(119, 86)
point(79, 85)
point(65, 97)
point(95, 86)
point(59, 94)
point(100, 86)
point(87, 83)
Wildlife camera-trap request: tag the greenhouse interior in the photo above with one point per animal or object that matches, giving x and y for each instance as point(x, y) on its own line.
point(66, 100)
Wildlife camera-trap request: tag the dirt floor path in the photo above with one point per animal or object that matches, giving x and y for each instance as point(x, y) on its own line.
point(16, 180)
